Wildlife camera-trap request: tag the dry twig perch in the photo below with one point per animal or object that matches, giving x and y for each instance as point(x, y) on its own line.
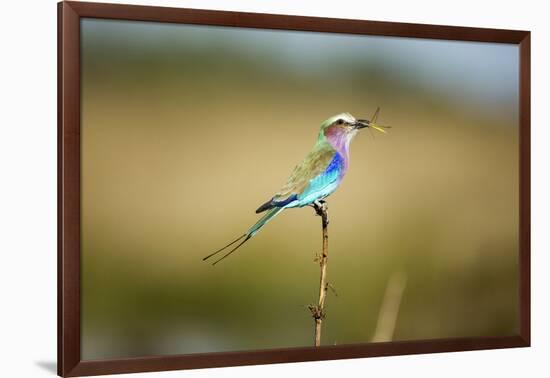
point(318, 310)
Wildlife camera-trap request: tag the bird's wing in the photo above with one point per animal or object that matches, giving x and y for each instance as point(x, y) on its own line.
point(315, 163)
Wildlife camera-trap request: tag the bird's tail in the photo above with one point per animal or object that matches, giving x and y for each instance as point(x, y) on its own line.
point(245, 237)
point(263, 221)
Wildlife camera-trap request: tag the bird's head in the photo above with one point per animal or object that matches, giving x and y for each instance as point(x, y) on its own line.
point(344, 126)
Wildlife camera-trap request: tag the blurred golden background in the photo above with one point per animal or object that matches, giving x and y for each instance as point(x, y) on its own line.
point(186, 130)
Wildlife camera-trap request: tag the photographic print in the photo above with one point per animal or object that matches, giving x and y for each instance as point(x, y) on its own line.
point(247, 189)
point(187, 130)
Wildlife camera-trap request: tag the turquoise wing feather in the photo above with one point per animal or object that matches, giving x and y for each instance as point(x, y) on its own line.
point(314, 178)
point(324, 184)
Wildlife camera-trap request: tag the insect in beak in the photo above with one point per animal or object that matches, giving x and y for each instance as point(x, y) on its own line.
point(362, 123)
point(378, 127)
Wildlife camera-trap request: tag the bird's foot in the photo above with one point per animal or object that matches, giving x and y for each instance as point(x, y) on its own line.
point(320, 207)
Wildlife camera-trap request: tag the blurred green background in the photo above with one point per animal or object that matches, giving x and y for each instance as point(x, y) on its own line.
point(186, 130)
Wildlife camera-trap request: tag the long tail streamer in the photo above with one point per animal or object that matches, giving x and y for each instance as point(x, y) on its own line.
point(245, 237)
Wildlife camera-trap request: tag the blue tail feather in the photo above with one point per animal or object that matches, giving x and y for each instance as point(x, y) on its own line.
point(263, 221)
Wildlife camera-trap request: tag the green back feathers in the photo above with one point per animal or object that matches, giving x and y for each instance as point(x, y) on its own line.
point(315, 163)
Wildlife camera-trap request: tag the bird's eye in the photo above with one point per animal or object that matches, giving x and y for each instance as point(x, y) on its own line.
point(340, 121)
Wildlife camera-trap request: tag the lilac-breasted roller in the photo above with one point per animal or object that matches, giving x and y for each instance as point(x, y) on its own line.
point(316, 177)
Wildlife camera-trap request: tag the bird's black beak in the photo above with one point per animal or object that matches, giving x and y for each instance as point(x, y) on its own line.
point(361, 123)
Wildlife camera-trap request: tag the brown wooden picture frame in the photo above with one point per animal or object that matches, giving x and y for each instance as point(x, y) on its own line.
point(69, 323)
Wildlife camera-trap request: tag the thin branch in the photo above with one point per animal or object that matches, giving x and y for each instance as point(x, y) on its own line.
point(318, 311)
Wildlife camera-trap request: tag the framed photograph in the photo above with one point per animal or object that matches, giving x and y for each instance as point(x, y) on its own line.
point(240, 188)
